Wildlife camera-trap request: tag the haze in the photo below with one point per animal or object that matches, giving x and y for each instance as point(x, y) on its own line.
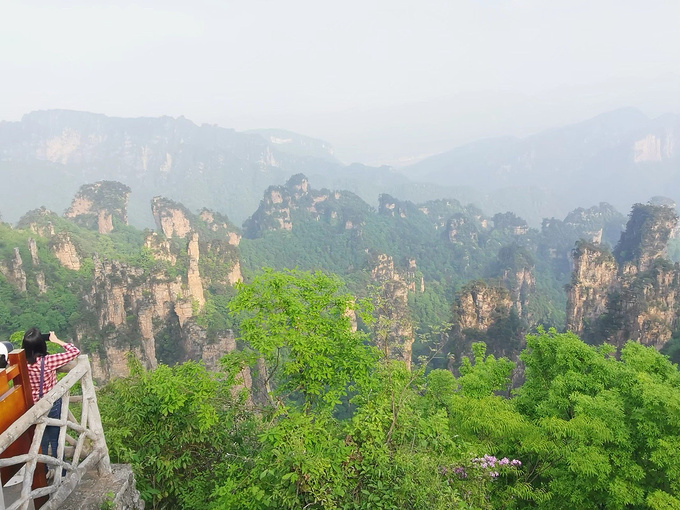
point(383, 81)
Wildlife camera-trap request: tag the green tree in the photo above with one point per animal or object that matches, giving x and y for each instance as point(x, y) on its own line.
point(601, 432)
point(301, 324)
point(181, 428)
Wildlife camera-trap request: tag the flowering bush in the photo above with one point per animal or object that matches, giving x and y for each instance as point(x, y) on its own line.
point(477, 474)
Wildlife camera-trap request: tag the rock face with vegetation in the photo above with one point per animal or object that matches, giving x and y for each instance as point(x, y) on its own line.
point(296, 202)
point(646, 236)
point(97, 205)
point(632, 294)
point(594, 278)
point(65, 251)
point(172, 219)
point(156, 311)
point(484, 311)
point(394, 327)
point(122, 291)
point(14, 271)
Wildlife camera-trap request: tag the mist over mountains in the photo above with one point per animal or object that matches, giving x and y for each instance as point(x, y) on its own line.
point(621, 157)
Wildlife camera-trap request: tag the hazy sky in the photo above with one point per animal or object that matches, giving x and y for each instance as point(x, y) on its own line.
point(381, 80)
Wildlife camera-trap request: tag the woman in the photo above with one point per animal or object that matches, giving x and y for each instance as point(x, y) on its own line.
point(42, 373)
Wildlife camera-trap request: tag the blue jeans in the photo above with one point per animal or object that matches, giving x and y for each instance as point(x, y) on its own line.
point(51, 435)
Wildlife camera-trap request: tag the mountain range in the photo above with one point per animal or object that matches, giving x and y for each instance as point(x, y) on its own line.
point(621, 157)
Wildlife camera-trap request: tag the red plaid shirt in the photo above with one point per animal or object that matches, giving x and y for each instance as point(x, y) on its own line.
point(52, 362)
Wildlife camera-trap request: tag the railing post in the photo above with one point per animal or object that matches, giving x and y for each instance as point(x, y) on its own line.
point(2, 497)
point(94, 418)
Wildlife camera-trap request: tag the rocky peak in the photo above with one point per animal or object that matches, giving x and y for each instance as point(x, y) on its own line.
point(593, 279)
point(159, 248)
point(383, 268)
point(96, 205)
point(637, 299)
point(193, 274)
point(220, 225)
point(479, 304)
point(516, 268)
point(219, 264)
point(299, 185)
point(646, 236)
point(39, 222)
point(33, 250)
point(511, 223)
point(149, 315)
point(296, 201)
point(65, 251)
point(460, 229)
point(484, 311)
point(14, 272)
point(390, 206)
point(35, 261)
point(439, 211)
point(171, 217)
point(414, 278)
point(394, 330)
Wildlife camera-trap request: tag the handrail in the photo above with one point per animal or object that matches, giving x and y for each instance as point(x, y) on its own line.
point(90, 443)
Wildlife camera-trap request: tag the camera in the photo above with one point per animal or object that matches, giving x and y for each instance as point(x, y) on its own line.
point(45, 337)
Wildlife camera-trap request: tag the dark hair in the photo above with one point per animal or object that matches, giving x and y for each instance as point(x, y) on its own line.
point(34, 345)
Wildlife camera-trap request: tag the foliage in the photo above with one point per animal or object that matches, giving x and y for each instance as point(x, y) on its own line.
point(301, 318)
point(176, 426)
point(599, 430)
point(585, 429)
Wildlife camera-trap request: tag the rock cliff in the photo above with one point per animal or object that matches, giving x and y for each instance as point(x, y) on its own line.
point(97, 205)
point(394, 329)
point(633, 294)
point(484, 311)
point(516, 273)
point(175, 220)
point(460, 229)
point(646, 236)
point(150, 314)
point(479, 304)
point(593, 279)
point(147, 299)
point(13, 271)
point(283, 206)
point(65, 251)
point(171, 217)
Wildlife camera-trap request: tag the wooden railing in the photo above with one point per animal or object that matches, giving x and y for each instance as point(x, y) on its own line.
point(81, 446)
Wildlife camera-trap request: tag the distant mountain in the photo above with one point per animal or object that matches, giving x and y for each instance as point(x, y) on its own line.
point(621, 157)
point(49, 154)
point(298, 145)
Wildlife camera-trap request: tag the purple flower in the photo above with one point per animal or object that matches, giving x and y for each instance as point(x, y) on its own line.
point(460, 471)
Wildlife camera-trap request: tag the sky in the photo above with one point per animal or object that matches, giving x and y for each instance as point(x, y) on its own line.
point(384, 81)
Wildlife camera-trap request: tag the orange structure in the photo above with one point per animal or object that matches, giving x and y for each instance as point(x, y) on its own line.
point(15, 400)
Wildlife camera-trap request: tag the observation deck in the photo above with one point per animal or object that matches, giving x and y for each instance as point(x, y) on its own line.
point(82, 454)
